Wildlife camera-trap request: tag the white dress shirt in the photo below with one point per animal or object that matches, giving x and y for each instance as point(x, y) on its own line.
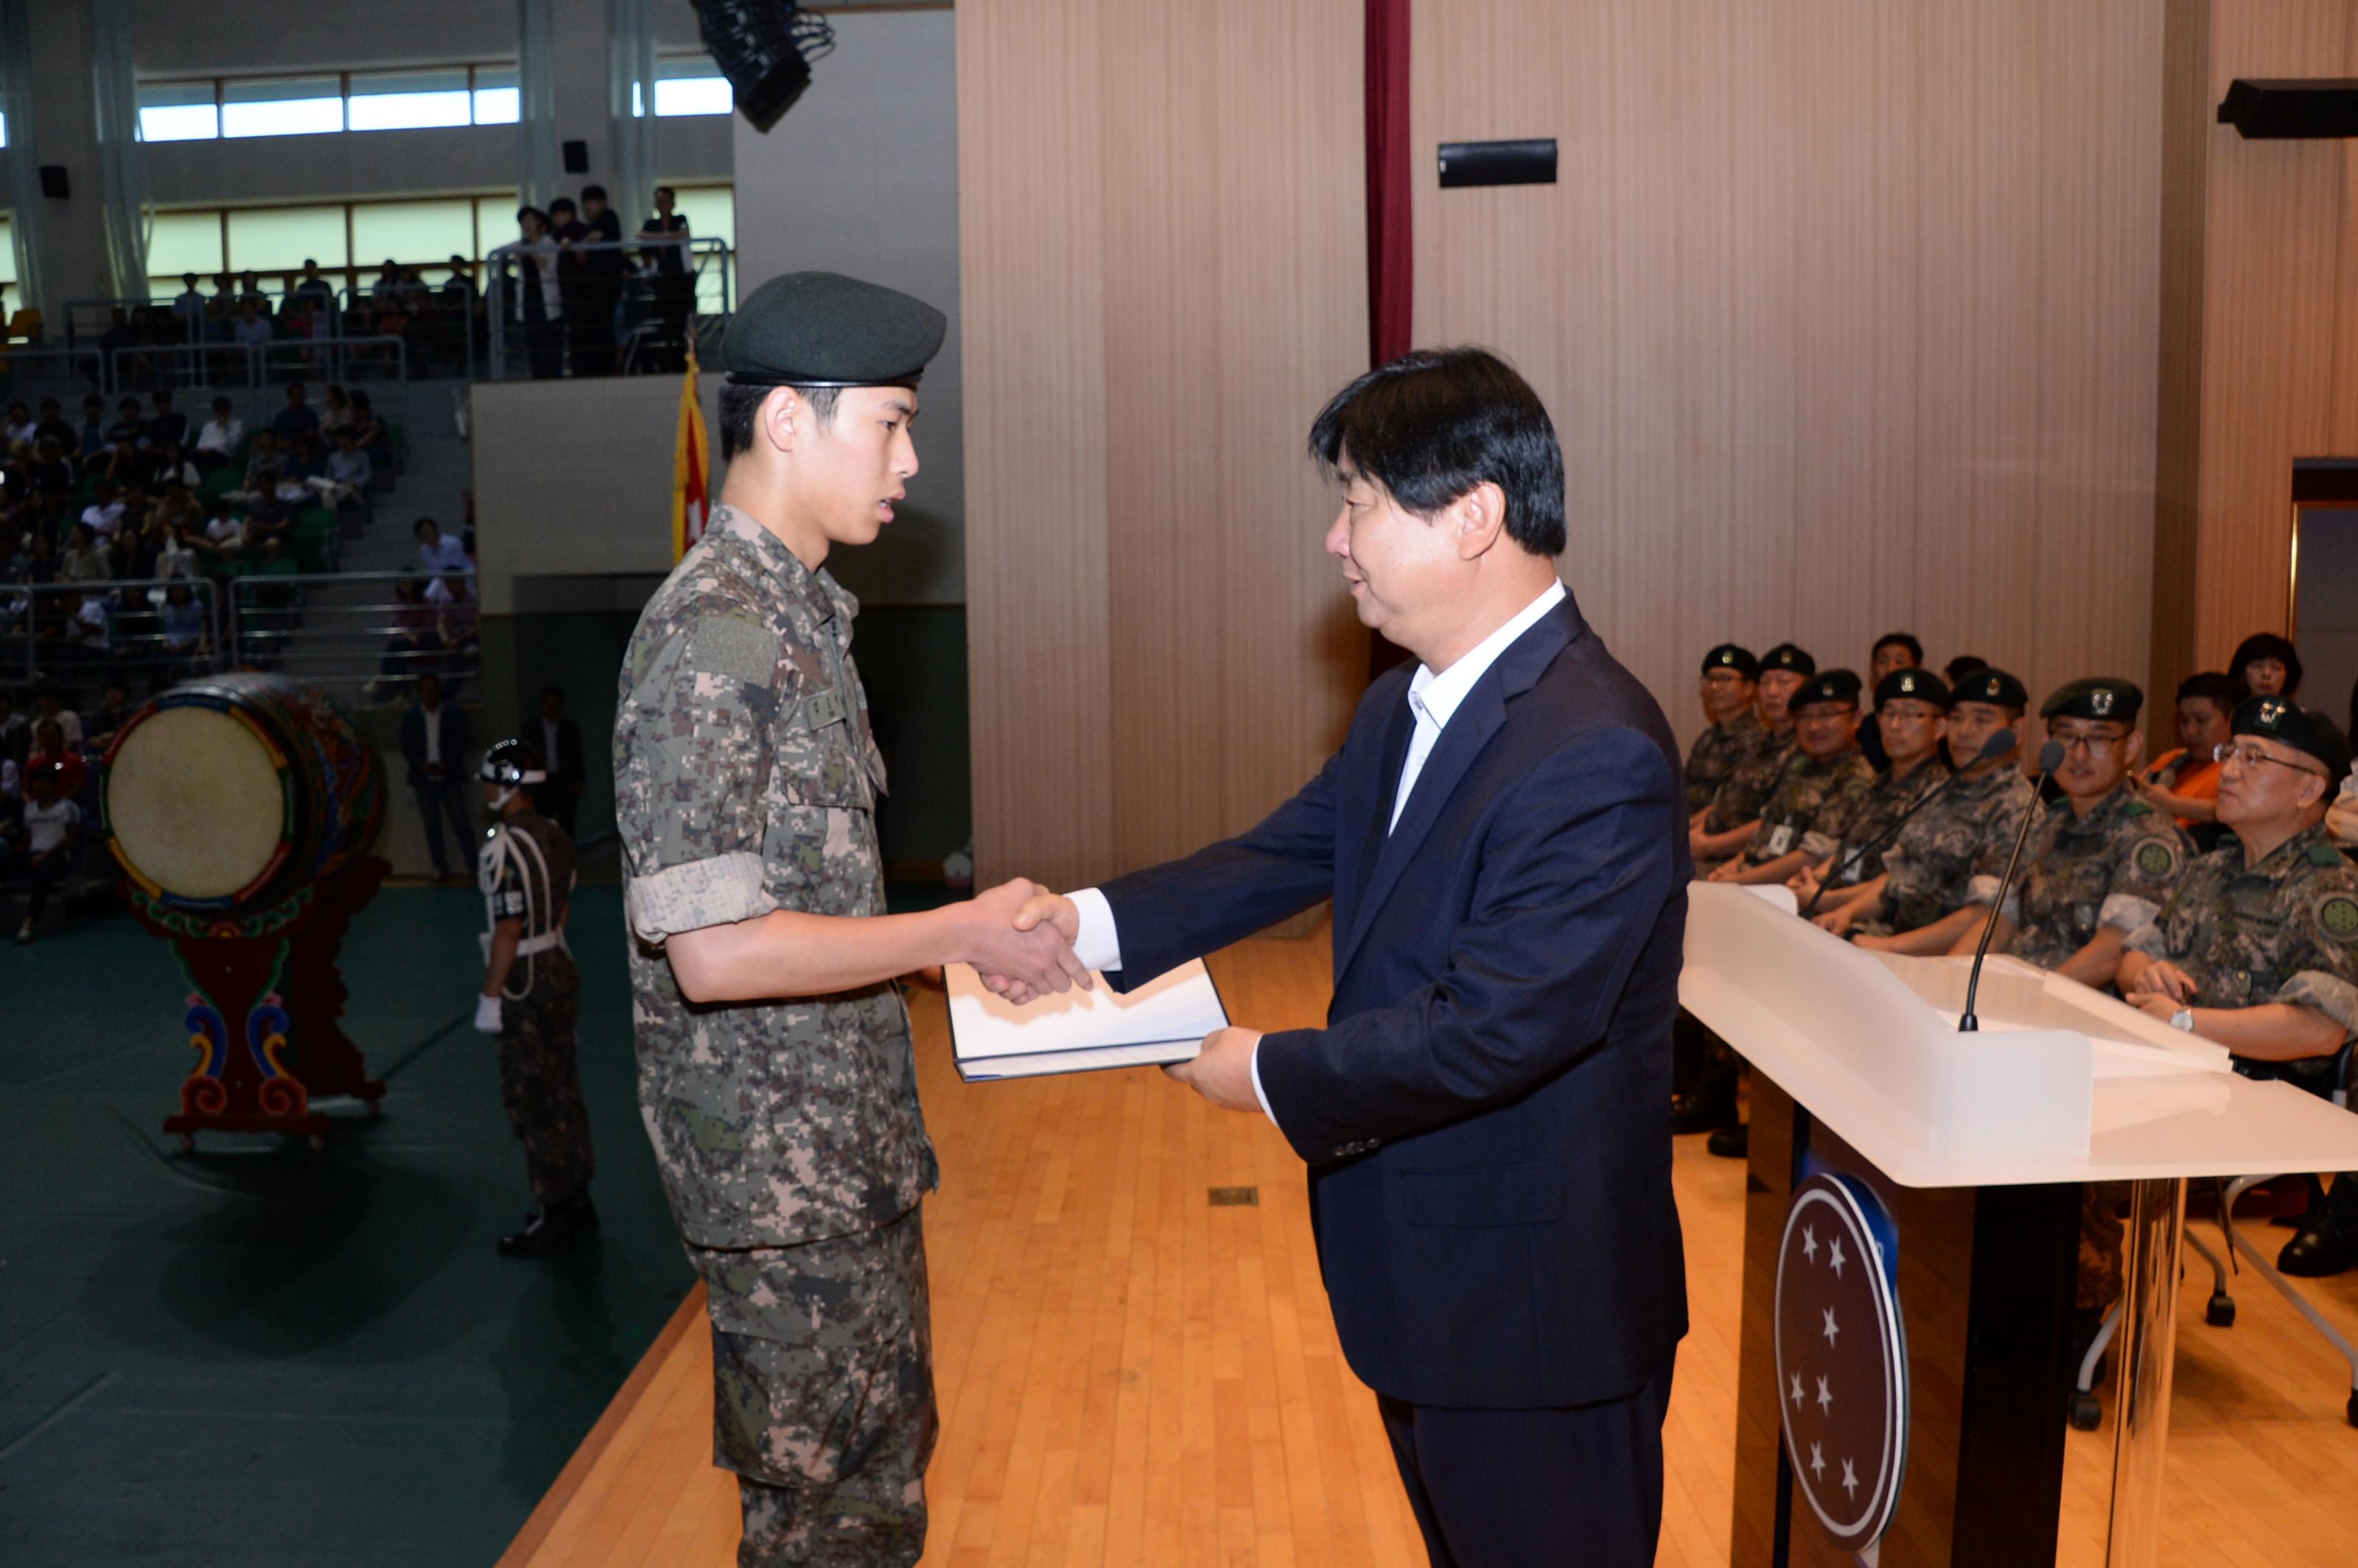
point(1434, 698)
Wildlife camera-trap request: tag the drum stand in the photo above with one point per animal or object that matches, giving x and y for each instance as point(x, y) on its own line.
point(264, 1004)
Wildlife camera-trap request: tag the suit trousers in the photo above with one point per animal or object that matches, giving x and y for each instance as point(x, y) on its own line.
point(1527, 1488)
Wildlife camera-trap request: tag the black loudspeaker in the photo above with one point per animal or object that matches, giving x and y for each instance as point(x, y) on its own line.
point(1498, 163)
point(53, 182)
point(2279, 111)
point(576, 158)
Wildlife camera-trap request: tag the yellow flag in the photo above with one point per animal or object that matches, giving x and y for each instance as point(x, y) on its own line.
point(691, 470)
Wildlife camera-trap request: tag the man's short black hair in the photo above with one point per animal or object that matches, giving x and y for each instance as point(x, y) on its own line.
point(564, 205)
point(423, 524)
point(1434, 423)
point(739, 405)
point(1963, 664)
point(667, 190)
point(553, 689)
point(1902, 640)
point(2214, 686)
point(593, 193)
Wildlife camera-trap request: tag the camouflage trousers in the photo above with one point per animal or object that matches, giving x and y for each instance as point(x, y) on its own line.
point(538, 1084)
point(823, 1395)
point(2101, 1231)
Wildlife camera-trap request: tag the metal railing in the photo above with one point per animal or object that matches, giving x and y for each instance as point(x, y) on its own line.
point(80, 633)
point(65, 374)
point(374, 360)
point(649, 311)
point(367, 636)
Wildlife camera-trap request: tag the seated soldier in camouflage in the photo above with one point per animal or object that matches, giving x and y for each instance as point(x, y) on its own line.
point(1920, 902)
point(2100, 863)
point(2258, 947)
point(1846, 843)
point(1826, 766)
point(1733, 816)
point(1730, 683)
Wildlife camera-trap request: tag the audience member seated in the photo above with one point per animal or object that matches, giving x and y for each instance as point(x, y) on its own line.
point(15, 729)
point(2266, 665)
point(168, 428)
point(298, 417)
point(130, 426)
point(18, 424)
point(349, 470)
point(102, 724)
point(436, 551)
point(104, 512)
point(453, 598)
point(2257, 949)
point(2184, 781)
point(89, 436)
point(52, 427)
point(84, 558)
point(1844, 847)
point(47, 840)
point(223, 435)
point(370, 431)
point(262, 468)
point(1725, 826)
point(1825, 720)
point(185, 632)
point(51, 472)
point(54, 747)
point(335, 408)
point(252, 330)
point(414, 645)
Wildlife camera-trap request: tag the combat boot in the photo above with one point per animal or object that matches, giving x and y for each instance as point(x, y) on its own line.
point(1731, 1143)
point(560, 1227)
point(2327, 1242)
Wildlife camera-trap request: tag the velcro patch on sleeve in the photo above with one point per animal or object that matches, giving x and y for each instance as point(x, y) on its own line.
point(739, 650)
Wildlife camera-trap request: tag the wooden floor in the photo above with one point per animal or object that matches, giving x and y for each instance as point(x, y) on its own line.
point(1130, 1376)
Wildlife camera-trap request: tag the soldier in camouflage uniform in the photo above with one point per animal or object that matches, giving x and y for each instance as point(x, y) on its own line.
point(1729, 687)
point(2257, 949)
point(1844, 846)
point(530, 998)
point(1921, 904)
point(775, 1074)
point(1729, 822)
point(1826, 765)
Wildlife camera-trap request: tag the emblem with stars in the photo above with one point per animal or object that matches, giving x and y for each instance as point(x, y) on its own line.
point(1842, 1360)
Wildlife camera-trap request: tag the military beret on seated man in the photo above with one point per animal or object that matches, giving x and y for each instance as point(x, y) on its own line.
point(2258, 947)
point(1994, 687)
point(1727, 691)
point(1826, 763)
point(1730, 821)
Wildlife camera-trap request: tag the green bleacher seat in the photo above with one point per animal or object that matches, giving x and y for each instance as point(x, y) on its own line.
point(313, 541)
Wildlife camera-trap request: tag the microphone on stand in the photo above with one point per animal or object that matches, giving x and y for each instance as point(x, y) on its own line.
point(1997, 746)
point(2050, 757)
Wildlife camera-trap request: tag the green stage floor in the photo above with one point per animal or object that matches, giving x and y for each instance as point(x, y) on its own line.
point(261, 1354)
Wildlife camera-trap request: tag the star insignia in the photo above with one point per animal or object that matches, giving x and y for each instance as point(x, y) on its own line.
point(1836, 1257)
point(1832, 1329)
point(1849, 1479)
point(1797, 1395)
point(1809, 1244)
point(1825, 1396)
point(1817, 1463)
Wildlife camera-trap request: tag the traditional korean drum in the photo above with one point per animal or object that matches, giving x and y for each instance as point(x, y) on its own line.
point(226, 795)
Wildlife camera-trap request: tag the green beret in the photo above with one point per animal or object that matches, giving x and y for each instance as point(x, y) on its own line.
point(1833, 687)
point(1995, 687)
point(2098, 696)
point(1729, 657)
point(821, 329)
point(1786, 657)
point(2302, 728)
point(1921, 685)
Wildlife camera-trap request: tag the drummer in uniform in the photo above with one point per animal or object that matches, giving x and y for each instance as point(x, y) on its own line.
point(777, 1077)
point(530, 1000)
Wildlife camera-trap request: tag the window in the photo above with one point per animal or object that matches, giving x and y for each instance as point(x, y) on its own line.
point(693, 86)
point(711, 214)
point(183, 241)
point(277, 239)
point(409, 231)
point(178, 111)
point(9, 298)
point(283, 106)
point(495, 221)
point(498, 102)
point(400, 100)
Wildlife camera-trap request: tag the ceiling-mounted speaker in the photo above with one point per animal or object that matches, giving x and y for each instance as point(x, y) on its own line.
point(2313, 109)
point(576, 158)
point(53, 182)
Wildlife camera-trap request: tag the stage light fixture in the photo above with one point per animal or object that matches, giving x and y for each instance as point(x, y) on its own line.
point(765, 48)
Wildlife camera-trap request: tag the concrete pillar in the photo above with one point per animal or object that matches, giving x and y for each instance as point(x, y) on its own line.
point(64, 121)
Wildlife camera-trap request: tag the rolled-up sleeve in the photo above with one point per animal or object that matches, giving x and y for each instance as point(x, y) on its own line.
point(692, 754)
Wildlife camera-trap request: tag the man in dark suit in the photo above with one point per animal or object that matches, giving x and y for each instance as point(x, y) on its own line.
point(560, 743)
point(1484, 1116)
point(434, 742)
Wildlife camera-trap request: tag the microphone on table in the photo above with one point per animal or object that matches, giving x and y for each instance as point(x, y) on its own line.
point(1997, 746)
point(2050, 757)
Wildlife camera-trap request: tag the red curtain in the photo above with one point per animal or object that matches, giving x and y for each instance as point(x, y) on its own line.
point(1390, 259)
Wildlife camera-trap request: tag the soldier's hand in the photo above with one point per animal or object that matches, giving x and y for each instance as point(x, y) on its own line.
point(2165, 979)
point(1872, 944)
point(1837, 921)
point(1019, 953)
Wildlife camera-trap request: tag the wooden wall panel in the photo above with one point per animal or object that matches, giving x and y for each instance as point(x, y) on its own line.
point(2263, 246)
point(1162, 264)
point(1847, 312)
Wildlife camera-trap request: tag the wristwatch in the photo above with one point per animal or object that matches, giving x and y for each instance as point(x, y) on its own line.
point(2183, 1019)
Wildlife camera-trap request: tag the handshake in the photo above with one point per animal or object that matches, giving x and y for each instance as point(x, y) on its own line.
point(1019, 937)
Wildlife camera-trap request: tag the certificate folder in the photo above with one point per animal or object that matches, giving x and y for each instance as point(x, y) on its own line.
point(1162, 1022)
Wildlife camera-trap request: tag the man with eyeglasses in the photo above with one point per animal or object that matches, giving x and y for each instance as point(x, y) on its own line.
point(1730, 677)
point(1733, 816)
point(1845, 847)
point(1827, 764)
point(2257, 949)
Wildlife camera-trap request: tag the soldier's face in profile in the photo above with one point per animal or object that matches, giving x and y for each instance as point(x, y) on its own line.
point(1910, 728)
point(1726, 693)
point(1826, 729)
point(850, 471)
point(1777, 688)
point(2263, 779)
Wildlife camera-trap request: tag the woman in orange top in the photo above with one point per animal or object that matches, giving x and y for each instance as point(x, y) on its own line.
point(2185, 783)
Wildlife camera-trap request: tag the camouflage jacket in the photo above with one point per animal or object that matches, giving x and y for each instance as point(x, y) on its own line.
point(1966, 834)
point(2114, 867)
point(1716, 753)
point(1854, 820)
point(1747, 789)
point(745, 781)
point(1789, 818)
point(2285, 930)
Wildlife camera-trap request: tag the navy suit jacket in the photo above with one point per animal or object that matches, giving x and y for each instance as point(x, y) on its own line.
point(1486, 1115)
point(454, 741)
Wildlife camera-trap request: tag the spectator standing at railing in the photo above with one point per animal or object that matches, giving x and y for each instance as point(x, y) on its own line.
point(312, 290)
point(221, 438)
point(603, 267)
point(675, 284)
point(540, 295)
point(249, 291)
point(434, 742)
point(252, 328)
point(589, 335)
point(189, 306)
point(47, 843)
point(298, 417)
